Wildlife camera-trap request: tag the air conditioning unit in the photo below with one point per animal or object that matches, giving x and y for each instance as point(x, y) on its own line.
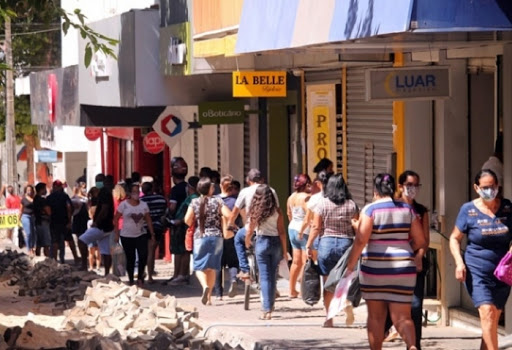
point(176, 51)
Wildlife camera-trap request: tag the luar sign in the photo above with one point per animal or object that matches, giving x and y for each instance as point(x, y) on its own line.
point(408, 83)
point(259, 84)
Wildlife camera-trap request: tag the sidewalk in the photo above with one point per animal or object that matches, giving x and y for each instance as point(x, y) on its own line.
point(295, 325)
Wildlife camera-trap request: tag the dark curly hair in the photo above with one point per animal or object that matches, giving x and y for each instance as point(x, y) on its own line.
point(263, 205)
point(385, 185)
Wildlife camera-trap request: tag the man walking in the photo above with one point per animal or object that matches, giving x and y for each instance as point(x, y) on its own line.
point(60, 222)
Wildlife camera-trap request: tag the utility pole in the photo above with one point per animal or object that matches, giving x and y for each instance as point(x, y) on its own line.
point(10, 132)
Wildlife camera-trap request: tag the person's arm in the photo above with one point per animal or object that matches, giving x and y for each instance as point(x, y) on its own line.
point(21, 210)
point(149, 223)
point(249, 234)
point(117, 216)
point(190, 217)
point(418, 243)
point(316, 226)
point(282, 234)
point(233, 215)
point(289, 208)
point(426, 229)
point(460, 267)
point(363, 233)
point(69, 210)
point(306, 222)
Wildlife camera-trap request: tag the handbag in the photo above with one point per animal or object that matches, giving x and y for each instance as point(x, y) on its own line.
point(503, 271)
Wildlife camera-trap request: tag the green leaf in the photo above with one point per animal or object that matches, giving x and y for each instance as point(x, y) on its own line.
point(83, 33)
point(65, 27)
point(88, 56)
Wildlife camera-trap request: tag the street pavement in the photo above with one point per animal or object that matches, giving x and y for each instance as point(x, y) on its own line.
point(294, 324)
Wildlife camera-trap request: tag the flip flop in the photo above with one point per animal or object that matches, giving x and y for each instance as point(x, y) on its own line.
point(204, 298)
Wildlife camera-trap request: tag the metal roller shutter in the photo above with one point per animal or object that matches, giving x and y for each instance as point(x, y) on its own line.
point(369, 138)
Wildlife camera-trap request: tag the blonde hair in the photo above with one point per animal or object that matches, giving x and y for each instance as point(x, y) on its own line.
point(119, 192)
point(226, 183)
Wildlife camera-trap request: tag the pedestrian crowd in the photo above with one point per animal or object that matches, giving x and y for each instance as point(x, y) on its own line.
point(211, 219)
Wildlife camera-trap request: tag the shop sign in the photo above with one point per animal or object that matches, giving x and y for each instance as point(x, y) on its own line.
point(92, 134)
point(259, 84)
point(46, 156)
point(170, 127)
point(408, 83)
point(153, 143)
point(231, 112)
point(9, 218)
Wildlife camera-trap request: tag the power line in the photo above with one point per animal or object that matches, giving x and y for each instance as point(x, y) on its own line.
point(33, 32)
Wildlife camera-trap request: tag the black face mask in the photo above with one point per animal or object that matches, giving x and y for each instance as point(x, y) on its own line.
point(179, 176)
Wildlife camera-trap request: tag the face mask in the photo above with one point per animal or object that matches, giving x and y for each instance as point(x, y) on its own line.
point(99, 184)
point(487, 194)
point(410, 192)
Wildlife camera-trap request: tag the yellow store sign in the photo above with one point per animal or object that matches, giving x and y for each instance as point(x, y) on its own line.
point(259, 84)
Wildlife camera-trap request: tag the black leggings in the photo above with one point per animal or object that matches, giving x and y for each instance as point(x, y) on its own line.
point(130, 245)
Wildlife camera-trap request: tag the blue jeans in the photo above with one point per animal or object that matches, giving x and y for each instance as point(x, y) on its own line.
point(240, 250)
point(29, 226)
point(330, 250)
point(268, 253)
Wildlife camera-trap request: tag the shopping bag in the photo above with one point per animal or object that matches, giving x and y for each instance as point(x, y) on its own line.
point(189, 238)
point(503, 271)
point(339, 299)
point(284, 270)
point(118, 260)
point(338, 270)
point(310, 286)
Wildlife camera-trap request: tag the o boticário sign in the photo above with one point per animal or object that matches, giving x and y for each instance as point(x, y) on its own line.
point(9, 218)
point(408, 83)
point(259, 84)
point(231, 112)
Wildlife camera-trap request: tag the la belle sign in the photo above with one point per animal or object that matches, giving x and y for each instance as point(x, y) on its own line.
point(259, 84)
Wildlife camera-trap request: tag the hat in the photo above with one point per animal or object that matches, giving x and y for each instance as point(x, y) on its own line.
point(254, 175)
point(57, 183)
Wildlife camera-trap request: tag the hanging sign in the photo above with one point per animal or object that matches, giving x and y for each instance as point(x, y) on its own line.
point(231, 112)
point(426, 83)
point(9, 218)
point(259, 84)
point(171, 125)
point(45, 156)
point(153, 143)
point(92, 134)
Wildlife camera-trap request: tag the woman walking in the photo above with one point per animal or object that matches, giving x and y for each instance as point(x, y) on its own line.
point(333, 220)
point(296, 209)
point(206, 214)
point(28, 219)
point(134, 212)
point(392, 244)
point(266, 220)
point(487, 222)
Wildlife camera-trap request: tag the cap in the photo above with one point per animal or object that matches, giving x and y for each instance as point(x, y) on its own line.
point(254, 175)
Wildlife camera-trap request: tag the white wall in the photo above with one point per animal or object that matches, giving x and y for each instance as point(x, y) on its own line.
point(94, 11)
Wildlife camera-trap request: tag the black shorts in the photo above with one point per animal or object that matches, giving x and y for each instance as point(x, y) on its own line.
point(59, 232)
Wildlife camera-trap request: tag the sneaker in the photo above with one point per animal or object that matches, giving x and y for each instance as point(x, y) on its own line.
point(232, 289)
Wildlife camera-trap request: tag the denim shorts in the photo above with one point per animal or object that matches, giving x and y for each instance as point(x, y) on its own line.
point(295, 241)
point(330, 250)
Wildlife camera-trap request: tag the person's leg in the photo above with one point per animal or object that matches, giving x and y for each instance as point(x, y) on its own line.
point(107, 262)
point(327, 301)
point(84, 254)
point(262, 251)
point(219, 283)
point(489, 317)
point(377, 312)
point(142, 251)
point(185, 269)
point(417, 307)
point(129, 245)
point(203, 281)
point(401, 317)
point(72, 246)
point(295, 269)
point(152, 245)
point(275, 258)
point(211, 275)
point(240, 250)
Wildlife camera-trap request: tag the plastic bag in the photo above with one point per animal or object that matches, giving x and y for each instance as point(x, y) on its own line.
point(310, 286)
point(339, 299)
point(189, 238)
point(118, 260)
point(283, 269)
point(337, 272)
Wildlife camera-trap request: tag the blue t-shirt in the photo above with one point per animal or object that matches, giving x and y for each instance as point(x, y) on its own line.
point(488, 238)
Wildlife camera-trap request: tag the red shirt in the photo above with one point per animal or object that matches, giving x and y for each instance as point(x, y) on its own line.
point(13, 202)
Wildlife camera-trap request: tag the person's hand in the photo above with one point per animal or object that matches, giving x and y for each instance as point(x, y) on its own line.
point(301, 235)
point(248, 241)
point(460, 272)
point(418, 260)
point(355, 223)
point(152, 239)
point(309, 252)
point(116, 238)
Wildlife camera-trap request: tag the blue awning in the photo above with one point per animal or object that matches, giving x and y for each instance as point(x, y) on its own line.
point(267, 25)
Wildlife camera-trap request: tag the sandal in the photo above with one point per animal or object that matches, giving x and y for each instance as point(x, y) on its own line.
point(328, 324)
point(204, 297)
point(266, 316)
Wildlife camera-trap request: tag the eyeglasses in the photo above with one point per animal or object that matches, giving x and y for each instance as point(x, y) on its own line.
point(410, 184)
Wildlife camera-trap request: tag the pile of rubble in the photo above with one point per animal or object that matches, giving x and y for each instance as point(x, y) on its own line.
point(119, 312)
point(45, 279)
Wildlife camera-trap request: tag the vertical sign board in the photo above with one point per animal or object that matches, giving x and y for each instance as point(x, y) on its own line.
point(321, 123)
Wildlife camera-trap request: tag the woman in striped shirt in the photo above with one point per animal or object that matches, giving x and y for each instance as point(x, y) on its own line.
point(391, 243)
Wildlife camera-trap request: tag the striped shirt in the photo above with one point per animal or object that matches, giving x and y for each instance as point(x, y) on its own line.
point(157, 205)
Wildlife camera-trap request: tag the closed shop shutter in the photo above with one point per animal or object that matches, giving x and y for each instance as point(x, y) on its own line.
point(369, 138)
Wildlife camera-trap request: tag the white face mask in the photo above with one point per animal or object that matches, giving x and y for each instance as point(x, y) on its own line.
point(410, 191)
point(487, 194)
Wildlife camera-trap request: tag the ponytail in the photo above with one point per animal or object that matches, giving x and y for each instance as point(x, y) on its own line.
point(202, 214)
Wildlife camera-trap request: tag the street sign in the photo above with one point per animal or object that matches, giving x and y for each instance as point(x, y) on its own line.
point(171, 125)
point(92, 134)
point(153, 143)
